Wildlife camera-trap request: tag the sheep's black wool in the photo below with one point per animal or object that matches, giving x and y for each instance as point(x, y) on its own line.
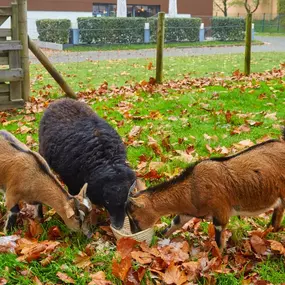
point(82, 147)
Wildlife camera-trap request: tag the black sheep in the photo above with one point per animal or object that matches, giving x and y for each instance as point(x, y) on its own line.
point(82, 147)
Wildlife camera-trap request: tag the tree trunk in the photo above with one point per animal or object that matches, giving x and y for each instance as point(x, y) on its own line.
point(248, 44)
point(225, 8)
point(160, 46)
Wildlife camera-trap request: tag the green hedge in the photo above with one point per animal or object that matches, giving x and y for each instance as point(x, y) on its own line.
point(54, 31)
point(111, 30)
point(228, 29)
point(281, 11)
point(281, 6)
point(177, 29)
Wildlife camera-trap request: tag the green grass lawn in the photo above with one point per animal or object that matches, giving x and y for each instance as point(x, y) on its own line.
point(87, 75)
point(189, 116)
point(268, 34)
point(153, 45)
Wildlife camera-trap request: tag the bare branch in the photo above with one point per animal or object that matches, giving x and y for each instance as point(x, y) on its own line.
point(219, 7)
point(247, 7)
point(256, 7)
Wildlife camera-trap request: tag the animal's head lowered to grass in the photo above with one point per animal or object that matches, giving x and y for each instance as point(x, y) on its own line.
point(115, 195)
point(77, 211)
point(141, 213)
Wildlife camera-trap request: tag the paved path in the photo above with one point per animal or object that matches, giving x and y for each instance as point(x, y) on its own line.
point(276, 44)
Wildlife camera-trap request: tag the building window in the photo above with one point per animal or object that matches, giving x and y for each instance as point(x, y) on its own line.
point(146, 10)
point(104, 10)
point(109, 10)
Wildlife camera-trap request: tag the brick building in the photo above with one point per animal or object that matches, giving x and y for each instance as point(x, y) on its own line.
point(72, 9)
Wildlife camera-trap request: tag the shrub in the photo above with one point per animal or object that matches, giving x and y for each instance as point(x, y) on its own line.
point(228, 29)
point(177, 29)
point(281, 11)
point(281, 6)
point(54, 31)
point(109, 30)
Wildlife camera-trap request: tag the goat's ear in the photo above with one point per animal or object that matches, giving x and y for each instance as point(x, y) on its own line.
point(140, 184)
point(136, 202)
point(83, 191)
point(69, 209)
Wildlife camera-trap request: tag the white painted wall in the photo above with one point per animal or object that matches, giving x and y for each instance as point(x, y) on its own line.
point(33, 16)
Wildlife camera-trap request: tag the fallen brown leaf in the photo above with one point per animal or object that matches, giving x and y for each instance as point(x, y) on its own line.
point(29, 250)
point(132, 278)
point(82, 261)
point(173, 275)
point(155, 147)
point(36, 281)
point(24, 130)
point(243, 144)
point(3, 281)
point(156, 165)
point(65, 278)
point(240, 129)
point(125, 246)
point(99, 278)
point(228, 116)
point(258, 244)
point(271, 116)
point(149, 66)
point(166, 143)
point(46, 261)
point(54, 233)
point(142, 257)
point(121, 269)
point(277, 246)
point(184, 156)
point(192, 269)
point(135, 132)
point(8, 244)
point(34, 229)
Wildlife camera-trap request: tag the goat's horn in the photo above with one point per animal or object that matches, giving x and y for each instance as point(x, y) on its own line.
point(83, 190)
point(132, 187)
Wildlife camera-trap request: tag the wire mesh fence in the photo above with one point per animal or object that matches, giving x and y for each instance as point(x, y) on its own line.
point(265, 22)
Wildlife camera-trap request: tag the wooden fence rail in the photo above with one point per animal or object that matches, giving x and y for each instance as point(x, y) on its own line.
point(11, 64)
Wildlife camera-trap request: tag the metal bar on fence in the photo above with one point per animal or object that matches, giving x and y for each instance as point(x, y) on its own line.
point(278, 23)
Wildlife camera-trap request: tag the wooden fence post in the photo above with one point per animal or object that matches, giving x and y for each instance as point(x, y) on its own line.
point(51, 69)
point(23, 36)
point(248, 35)
point(160, 46)
point(15, 21)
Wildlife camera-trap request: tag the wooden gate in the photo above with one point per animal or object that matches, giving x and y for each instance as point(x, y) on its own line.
point(11, 72)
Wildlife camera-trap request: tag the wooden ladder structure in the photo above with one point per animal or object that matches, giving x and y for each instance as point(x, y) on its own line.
point(11, 71)
point(14, 59)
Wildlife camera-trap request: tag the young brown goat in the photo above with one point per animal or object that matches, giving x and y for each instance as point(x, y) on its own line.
point(248, 183)
point(25, 176)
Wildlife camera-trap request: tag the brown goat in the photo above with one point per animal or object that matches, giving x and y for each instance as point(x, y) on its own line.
point(25, 176)
point(248, 183)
